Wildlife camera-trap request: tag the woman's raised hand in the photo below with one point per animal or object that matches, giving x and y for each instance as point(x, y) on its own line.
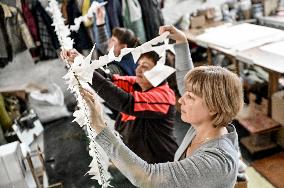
point(175, 33)
point(100, 15)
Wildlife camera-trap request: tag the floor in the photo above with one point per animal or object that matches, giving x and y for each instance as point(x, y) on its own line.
point(256, 180)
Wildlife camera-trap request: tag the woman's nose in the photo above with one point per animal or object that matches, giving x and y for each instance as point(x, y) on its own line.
point(138, 68)
point(181, 99)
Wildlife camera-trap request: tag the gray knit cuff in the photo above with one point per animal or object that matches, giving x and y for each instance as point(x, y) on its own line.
point(183, 53)
point(106, 139)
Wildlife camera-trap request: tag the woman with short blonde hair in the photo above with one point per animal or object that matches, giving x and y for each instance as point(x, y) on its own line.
point(204, 81)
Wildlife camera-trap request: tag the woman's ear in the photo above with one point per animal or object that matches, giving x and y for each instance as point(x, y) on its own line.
point(211, 113)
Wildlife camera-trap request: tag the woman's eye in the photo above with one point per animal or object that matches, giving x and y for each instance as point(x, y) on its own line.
point(190, 97)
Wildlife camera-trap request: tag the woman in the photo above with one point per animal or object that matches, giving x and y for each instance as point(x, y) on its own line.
point(146, 118)
point(208, 155)
point(121, 38)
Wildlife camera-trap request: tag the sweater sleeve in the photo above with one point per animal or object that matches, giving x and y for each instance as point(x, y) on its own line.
point(183, 64)
point(102, 38)
point(119, 99)
point(211, 167)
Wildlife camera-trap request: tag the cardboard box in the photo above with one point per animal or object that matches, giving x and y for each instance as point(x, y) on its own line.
point(277, 106)
point(197, 21)
point(12, 168)
point(280, 137)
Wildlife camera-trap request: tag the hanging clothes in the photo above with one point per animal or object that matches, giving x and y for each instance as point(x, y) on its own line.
point(5, 46)
point(153, 22)
point(132, 18)
point(30, 20)
point(13, 3)
point(86, 4)
point(82, 40)
point(48, 38)
point(64, 10)
point(3, 50)
point(17, 30)
point(85, 7)
point(114, 12)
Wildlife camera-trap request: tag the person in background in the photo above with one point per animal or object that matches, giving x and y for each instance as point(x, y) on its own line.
point(121, 38)
point(208, 155)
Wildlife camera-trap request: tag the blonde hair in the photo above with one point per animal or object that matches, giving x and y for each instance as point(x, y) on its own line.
point(220, 89)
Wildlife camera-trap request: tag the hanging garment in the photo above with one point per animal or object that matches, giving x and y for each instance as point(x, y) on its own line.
point(82, 40)
point(64, 10)
point(132, 18)
point(86, 4)
point(4, 57)
point(85, 7)
point(13, 3)
point(17, 30)
point(30, 20)
point(48, 43)
point(153, 22)
point(5, 46)
point(3, 50)
point(114, 10)
point(3, 41)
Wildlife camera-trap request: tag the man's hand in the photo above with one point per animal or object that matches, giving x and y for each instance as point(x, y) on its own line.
point(175, 34)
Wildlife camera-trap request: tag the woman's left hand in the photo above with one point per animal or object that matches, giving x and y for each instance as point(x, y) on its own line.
point(69, 55)
point(175, 33)
point(96, 115)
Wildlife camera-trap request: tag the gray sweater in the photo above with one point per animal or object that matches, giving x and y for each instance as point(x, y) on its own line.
point(213, 165)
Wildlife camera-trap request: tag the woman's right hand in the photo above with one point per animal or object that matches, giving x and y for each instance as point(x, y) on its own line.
point(175, 33)
point(69, 55)
point(96, 112)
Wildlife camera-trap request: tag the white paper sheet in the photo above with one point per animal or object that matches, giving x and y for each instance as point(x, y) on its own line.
point(275, 48)
point(238, 35)
point(158, 74)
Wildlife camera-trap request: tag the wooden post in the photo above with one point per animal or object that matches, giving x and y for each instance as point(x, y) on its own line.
point(29, 159)
point(209, 56)
point(272, 87)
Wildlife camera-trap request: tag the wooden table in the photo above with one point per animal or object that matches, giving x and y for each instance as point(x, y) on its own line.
point(273, 63)
point(247, 52)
